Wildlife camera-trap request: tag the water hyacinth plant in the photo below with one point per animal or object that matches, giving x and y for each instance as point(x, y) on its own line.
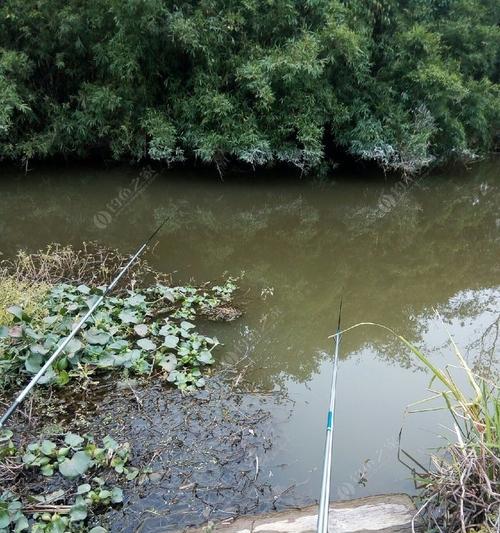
point(81, 469)
point(139, 330)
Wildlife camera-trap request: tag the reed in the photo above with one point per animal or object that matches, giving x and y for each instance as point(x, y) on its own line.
point(460, 492)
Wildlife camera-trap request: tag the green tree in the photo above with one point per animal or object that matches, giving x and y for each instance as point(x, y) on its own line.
point(403, 83)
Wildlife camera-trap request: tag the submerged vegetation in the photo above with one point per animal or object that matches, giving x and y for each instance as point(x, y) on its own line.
point(400, 83)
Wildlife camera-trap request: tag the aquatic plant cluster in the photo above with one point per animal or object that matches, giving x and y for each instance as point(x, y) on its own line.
point(68, 459)
point(140, 331)
point(461, 489)
point(64, 481)
point(399, 83)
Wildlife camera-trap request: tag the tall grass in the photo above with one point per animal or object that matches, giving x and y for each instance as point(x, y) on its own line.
point(29, 295)
point(461, 490)
point(26, 278)
point(92, 264)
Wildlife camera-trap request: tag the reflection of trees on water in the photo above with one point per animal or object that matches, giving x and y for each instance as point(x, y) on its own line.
point(311, 244)
point(485, 345)
point(478, 312)
point(394, 269)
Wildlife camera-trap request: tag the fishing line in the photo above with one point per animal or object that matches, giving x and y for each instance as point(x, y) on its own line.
point(22, 395)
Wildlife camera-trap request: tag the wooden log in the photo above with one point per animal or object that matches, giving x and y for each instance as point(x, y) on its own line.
point(390, 513)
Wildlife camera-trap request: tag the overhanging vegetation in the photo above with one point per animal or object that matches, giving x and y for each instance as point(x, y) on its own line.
point(402, 83)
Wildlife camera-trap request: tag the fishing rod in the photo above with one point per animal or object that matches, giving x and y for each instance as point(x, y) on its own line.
point(22, 395)
point(324, 501)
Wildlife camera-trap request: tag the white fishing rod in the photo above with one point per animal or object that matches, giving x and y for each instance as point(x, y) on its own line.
point(22, 395)
point(324, 501)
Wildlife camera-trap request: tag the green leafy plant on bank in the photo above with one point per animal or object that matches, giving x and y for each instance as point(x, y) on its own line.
point(76, 456)
point(139, 331)
point(72, 457)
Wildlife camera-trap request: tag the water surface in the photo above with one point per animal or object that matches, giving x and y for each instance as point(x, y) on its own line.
point(396, 252)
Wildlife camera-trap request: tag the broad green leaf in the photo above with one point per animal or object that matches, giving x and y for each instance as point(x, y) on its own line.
point(168, 362)
point(73, 346)
point(118, 345)
point(187, 325)
point(33, 363)
point(141, 329)
point(4, 519)
point(62, 378)
point(47, 447)
point(39, 349)
point(166, 292)
point(57, 525)
point(83, 289)
point(76, 466)
point(28, 458)
point(171, 341)
point(146, 344)
point(73, 440)
point(63, 452)
point(47, 470)
point(5, 435)
point(135, 300)
point(21, 524)
point(16, 311)
point(205, 357)
point(83, 489)
point(49, 320)
point(132, 473)
point(14, 506)
point(78, 510)
point(128, 317)
point(117, 495)
point(166, 329)
point(96, 336)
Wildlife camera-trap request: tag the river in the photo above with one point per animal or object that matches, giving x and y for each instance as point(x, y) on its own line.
point(396, 251)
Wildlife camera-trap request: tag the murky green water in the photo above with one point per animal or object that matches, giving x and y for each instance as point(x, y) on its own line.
point(395, 252)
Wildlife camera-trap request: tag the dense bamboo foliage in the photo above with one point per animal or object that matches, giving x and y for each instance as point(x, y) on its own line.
point(403, 83)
